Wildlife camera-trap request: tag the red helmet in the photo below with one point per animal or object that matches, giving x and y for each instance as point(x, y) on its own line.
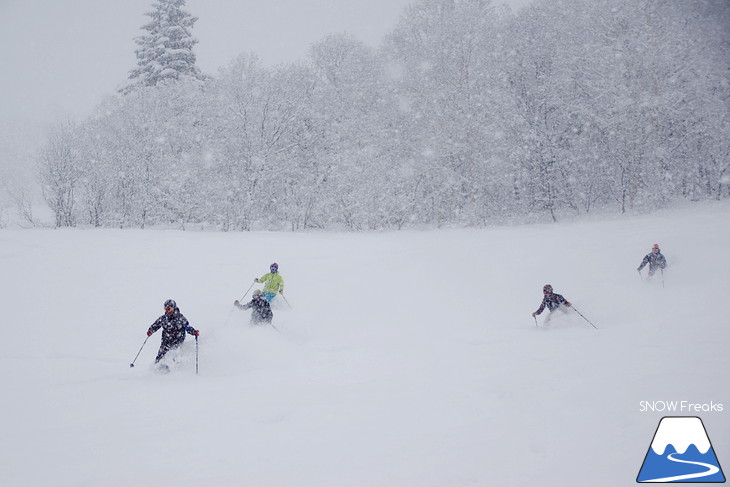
point(655, 246)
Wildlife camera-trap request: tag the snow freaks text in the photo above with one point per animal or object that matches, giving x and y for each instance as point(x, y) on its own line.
point(679, 407)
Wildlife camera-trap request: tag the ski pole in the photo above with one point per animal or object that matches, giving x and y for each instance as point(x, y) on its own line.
point(247, 290)
point(662, 269)
point(196, 355)
point(275, 328)
point(640, 276)
point(581, 315)
point(287, 301)
point(140, 351)
point(535, 318)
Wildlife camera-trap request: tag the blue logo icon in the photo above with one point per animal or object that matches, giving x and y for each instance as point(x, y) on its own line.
point(681, 452)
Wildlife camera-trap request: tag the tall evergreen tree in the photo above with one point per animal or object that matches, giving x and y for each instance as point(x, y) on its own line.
point(166, 51)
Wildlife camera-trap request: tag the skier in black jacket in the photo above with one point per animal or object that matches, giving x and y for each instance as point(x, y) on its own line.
point(655, 259)
point(550, 300)
point(261, 309)
point(174, 326)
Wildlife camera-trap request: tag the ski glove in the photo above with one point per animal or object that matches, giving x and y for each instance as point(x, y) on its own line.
point(149, 333)
point(534, 314)
point(255, 279)
point(196, 333)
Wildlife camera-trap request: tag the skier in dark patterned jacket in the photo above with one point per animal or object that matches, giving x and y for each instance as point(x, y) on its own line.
point(174, 326)
point(261, 313)
point(550, 300)
point(655, 259)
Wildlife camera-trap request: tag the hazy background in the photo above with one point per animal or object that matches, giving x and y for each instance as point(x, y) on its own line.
point(60, 58)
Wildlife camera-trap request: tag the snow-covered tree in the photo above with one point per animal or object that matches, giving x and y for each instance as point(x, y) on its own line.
point(443, 57)
point(348, 104)
point(60, 172)
point(466, 115)
point(166, 51)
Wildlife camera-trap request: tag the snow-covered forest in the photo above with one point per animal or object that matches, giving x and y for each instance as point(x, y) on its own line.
point(467, 114)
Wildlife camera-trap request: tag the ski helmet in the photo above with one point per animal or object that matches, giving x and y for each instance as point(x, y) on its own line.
point(547, 288)
point(170, 303)
point(274, 267)
point(655, 246)
point(256, 294)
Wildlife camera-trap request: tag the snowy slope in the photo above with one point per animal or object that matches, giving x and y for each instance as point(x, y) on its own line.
point(407, 359)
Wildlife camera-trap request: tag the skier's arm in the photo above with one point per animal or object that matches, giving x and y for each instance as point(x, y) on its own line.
point(154, 326)
point(189, 329)
point(541, 308)
point(643, 263)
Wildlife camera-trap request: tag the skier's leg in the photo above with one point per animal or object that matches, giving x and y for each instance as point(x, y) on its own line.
point(168, 347)
point(164, 347)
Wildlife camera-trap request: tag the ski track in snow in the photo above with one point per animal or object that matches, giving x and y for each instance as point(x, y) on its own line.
point(408, 358)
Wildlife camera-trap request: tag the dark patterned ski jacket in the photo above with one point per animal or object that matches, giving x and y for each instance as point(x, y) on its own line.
point(656, 260)
point(552, 301)
point(261, 310)
point(173, 327)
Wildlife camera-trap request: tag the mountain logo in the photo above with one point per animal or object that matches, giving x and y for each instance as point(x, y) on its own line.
point(681, 452)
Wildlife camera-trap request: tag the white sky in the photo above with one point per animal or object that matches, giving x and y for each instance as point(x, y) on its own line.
point(59, 58)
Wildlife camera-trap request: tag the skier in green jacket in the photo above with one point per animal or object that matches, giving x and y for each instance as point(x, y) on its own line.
point(273, 283)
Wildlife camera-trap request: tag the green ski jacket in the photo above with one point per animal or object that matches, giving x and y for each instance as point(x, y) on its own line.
point(273, 282)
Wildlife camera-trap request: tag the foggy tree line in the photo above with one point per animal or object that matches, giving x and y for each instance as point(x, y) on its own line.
point(466, 115)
